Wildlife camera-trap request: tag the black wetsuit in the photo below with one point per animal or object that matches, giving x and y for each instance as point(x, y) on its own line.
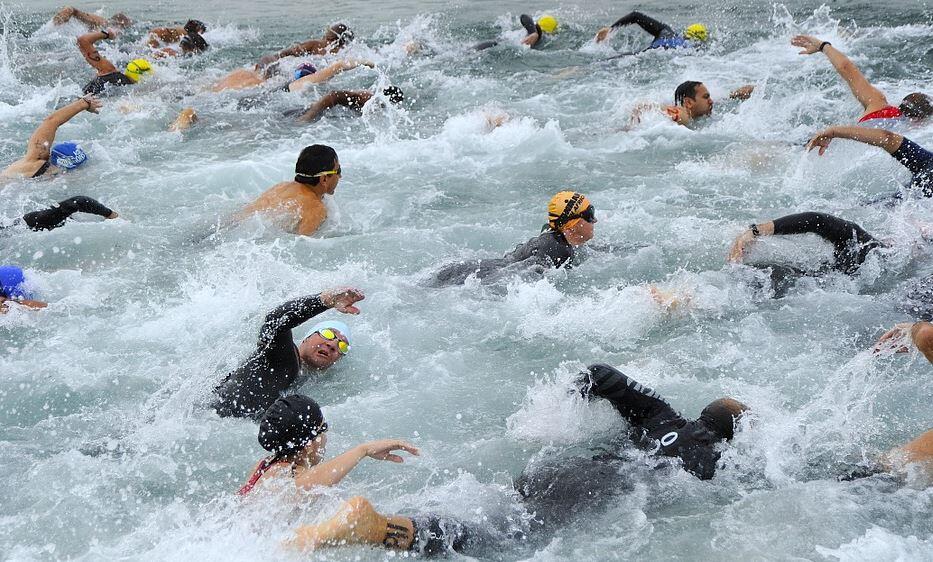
point(55, 216)
point(530, 28)
point(920, 163)
point(549, 249)
point(851, 244)
point(102, 84)
point(664, 36)
point(273, 367)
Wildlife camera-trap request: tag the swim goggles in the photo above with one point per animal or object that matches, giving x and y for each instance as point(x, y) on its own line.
point(342, 346)
point(337, 172)
point(589, 215)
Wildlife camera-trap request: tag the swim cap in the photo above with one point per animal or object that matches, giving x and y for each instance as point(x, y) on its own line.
point(304, 69)
point(289, 424)
point(564, 207)
point(394, 93)
point(340, 33)
point(195, 26)
point(720, 416)
point(696, 32)
point(312, 161)
point(136, 68)
point(12, 283)
point(917, 106)
point(193, 43)
point(333, 325)
point(67, 155)
point(548, 23)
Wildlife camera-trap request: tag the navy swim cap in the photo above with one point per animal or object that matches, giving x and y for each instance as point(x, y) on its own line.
point(12, 283)
point(67, 155)
point(289, 424)
point(304, 69)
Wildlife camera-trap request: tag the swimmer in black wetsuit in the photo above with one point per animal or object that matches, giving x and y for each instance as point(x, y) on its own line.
point(664, 37)
point(55, 216)
point(534, 31)
point(108, 76)
point(912, 156)
point(570, 224)
point(277, 361)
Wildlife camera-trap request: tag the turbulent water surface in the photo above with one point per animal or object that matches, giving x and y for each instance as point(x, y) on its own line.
point(109, 451)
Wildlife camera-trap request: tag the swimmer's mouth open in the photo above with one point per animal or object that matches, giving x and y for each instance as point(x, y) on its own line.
point(323, 353)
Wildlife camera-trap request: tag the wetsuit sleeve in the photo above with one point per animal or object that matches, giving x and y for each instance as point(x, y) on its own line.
point(54, 217)
point(284, 318)
point(834, 230)
point(635, 402)
point(649, 24)
point(914, 157)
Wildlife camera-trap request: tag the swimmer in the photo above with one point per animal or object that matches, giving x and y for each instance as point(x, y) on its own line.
point(45, 158)
point(92, 21)
point(188, 37)
point(56, 215)
point(276, 363)
point(351, 99)
point(305, 75)
point(186, 118)
point(919, 333)
point(916, 106)
point(664, 36)
point(534, 31)
point(294, 431)
point(336, 37)
point(300, 202)
point(912, 156)
point(13, 289)
point(107, 74)
point(692, 100)
point(571, 217)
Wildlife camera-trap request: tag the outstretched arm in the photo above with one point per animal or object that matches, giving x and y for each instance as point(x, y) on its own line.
point(331, 472)
point(649, 24)
point(921, 334)
point(92, 55)
point(346, 98)
point(68, 12)
point(28, 303)
point(871, 98)
point(40, 143)
point(284, 318)
point(875, 137)
point(635, 402)
point(326, 74)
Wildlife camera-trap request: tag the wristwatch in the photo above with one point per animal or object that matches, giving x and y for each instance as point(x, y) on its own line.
point(754, 228)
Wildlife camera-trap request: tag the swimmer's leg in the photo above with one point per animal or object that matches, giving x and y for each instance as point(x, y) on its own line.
point(357, 522)
point(185, 119)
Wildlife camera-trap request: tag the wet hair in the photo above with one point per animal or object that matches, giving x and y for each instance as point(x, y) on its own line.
point(193, 44)
point(195, 26)
point(394, 93)
point(720, 416)
point(313, 160)
point(686, 90)
point(120, 19)
point(272, 70)
point(917, 106)
point(289, 424)
point(340, 33)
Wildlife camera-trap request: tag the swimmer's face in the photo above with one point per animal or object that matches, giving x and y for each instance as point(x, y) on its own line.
point(319, 353)
point(330, 181)
point(579, 233)
point(701, 104)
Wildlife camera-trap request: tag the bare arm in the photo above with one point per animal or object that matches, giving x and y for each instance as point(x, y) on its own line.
point(28, 303)
point(311, 46)
point(871, 98)
point(333, 99)
point(745, 240)
point(742, 93)
point(92, 55)
point(40, 143)
point(326, 74)
point(921, 334)
point(875, 137)
point(331, 472)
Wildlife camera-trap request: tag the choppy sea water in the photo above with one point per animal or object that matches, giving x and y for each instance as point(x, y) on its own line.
point(108, 449)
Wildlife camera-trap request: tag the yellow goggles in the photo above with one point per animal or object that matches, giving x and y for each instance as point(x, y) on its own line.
point(342, 346)
point(337, 172)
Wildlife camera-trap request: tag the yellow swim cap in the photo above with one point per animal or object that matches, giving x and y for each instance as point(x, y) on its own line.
point(696, 32)
point(548, 24)
point(136, 68)
point(564, 207)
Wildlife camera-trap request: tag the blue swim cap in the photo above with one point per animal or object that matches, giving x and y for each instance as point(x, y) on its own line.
point(67, 155)
point(304, 69)
point(333, 325)
point(12, 283)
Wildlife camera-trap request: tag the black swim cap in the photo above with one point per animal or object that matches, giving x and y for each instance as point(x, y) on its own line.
point(289, 424)
point(195, 26)
point(341, 33)
point(917, 106)
point(313, 160)
point(720, 416)
point(394, 93)
point(193, 44)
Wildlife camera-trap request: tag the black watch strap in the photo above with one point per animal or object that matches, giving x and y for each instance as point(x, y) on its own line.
point(754, 228)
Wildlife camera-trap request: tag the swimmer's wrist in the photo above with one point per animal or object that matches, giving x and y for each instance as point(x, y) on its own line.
point(823, 45)
point(753, 228)
point(105, 33)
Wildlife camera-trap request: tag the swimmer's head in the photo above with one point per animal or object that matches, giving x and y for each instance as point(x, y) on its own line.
point(694, 97)
point(195, 26)
point(191, 44)
point(67, 155)
point(318, 165)
point(290, 424)
point(137, 68)
point(917, 106)
point(339, 33)
point(304, 69)
point(13, 283)
point(120, 20)
point(721, 416)
point(273, 69)
point(572, 214)
point(325, 344)
point(394, 93)
point(547, 23)
point(696, 32)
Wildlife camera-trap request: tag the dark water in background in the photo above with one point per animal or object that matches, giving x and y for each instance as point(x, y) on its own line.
point(109, 452)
